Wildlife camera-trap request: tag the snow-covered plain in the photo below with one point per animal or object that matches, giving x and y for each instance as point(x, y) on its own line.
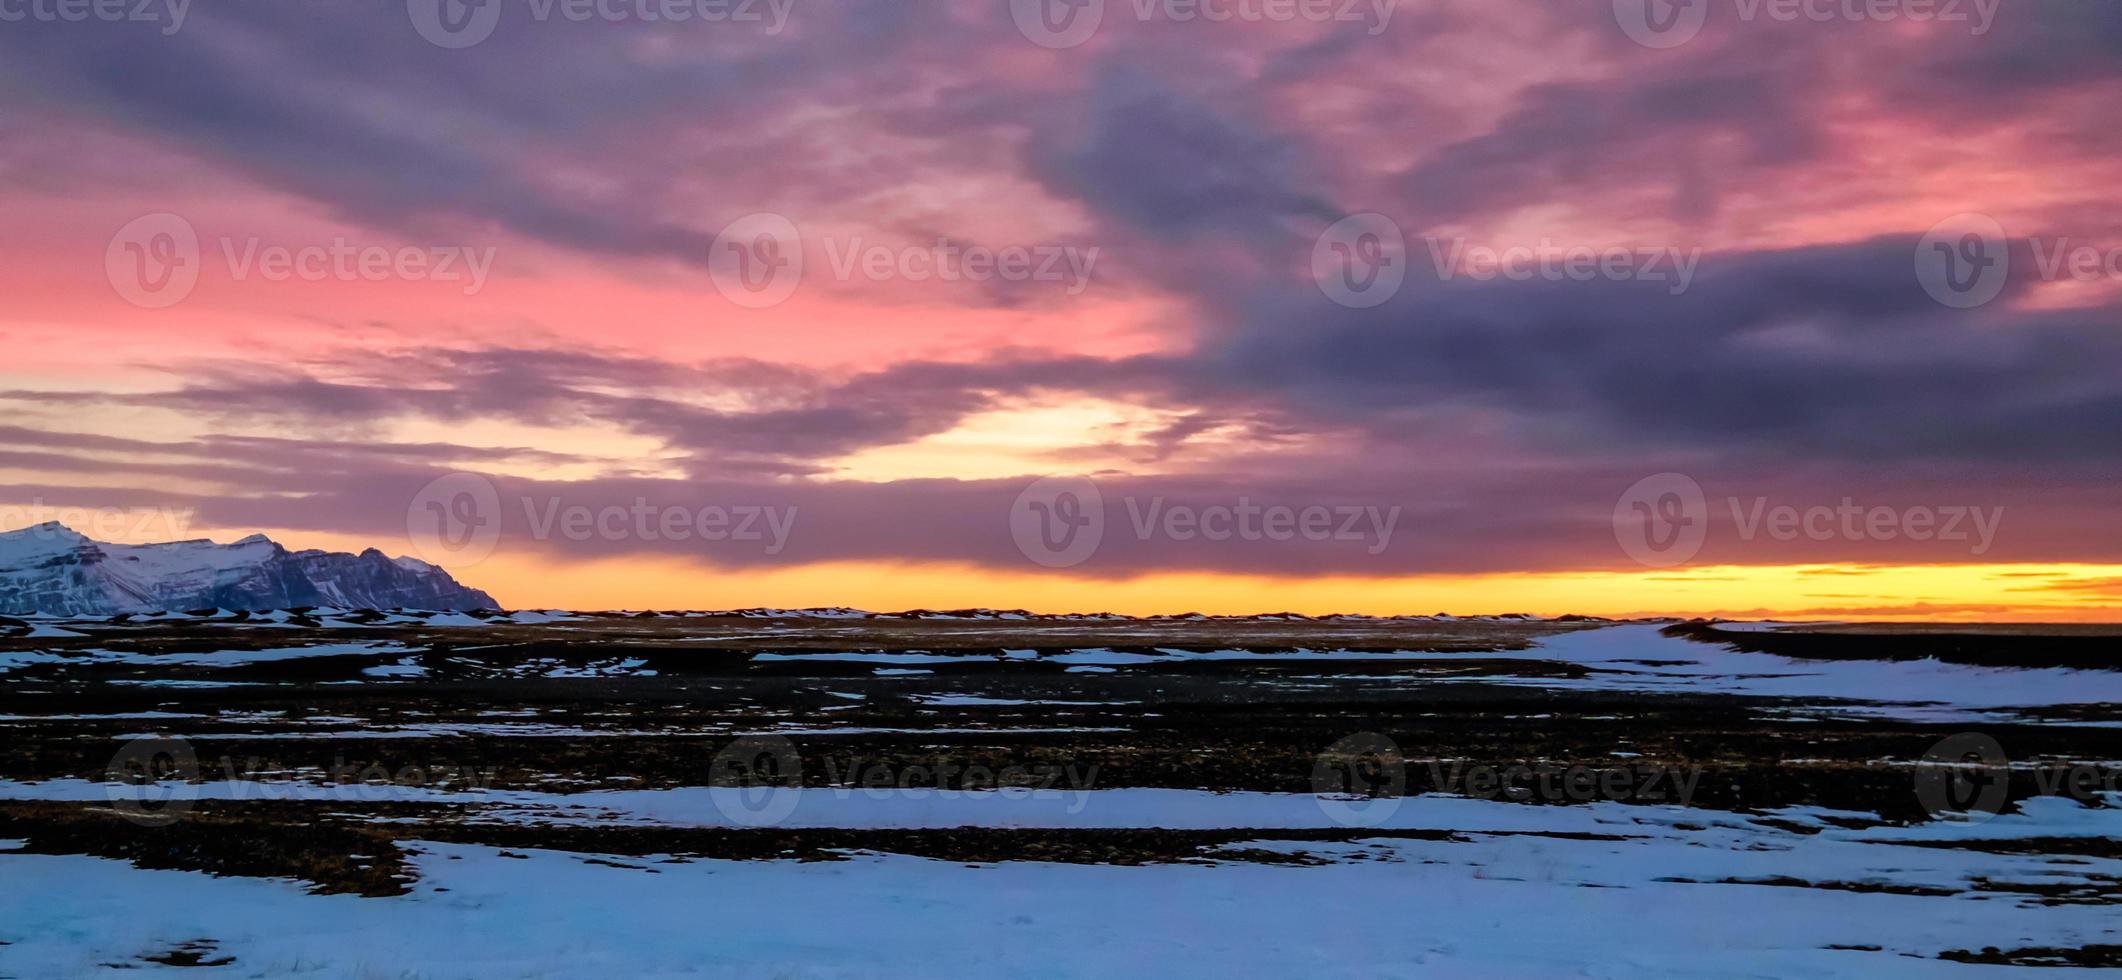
point(1597, 890)
point(1666, 899)
point(1629, 657)
point(1638, 657)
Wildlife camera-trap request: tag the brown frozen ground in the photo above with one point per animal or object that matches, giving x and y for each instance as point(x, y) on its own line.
point(621, 702)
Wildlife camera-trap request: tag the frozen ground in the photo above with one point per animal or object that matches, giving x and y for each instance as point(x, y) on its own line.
point(1640, 658)
point(569, 817)
point(1622, 658)
point(1663, 898)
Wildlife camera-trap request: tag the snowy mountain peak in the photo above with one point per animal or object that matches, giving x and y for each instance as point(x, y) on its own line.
point(48, 528)
point(40, 544)
point(51, 568)
point(47, 531)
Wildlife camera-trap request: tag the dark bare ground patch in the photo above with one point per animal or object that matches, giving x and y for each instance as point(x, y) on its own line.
point(1787, 881)
point(1205, 727)
point(197, 953)
point(2094, 889)
point(2091, 957)
point(2091, 847)
point(344, 853)
point(335, 856)
point(2083, 646)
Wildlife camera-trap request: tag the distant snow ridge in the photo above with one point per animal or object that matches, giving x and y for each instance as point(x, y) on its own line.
point(51, 568)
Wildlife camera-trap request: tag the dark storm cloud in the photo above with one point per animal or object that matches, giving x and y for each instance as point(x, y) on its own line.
point(2033, 46)
point(346, 104)
point(1604, 137)
point(1819, 352)
point(1173, 168)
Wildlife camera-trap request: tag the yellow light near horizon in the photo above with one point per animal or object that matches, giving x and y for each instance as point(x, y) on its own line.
point(1963, 593)
point(1933, 592)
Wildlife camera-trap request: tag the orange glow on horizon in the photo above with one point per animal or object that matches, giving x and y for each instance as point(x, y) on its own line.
point(1957, 593)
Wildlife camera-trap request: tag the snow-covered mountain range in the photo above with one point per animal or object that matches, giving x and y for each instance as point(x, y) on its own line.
point(51, 568)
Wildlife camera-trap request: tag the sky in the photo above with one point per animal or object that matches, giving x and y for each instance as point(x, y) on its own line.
point(1798, 308)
